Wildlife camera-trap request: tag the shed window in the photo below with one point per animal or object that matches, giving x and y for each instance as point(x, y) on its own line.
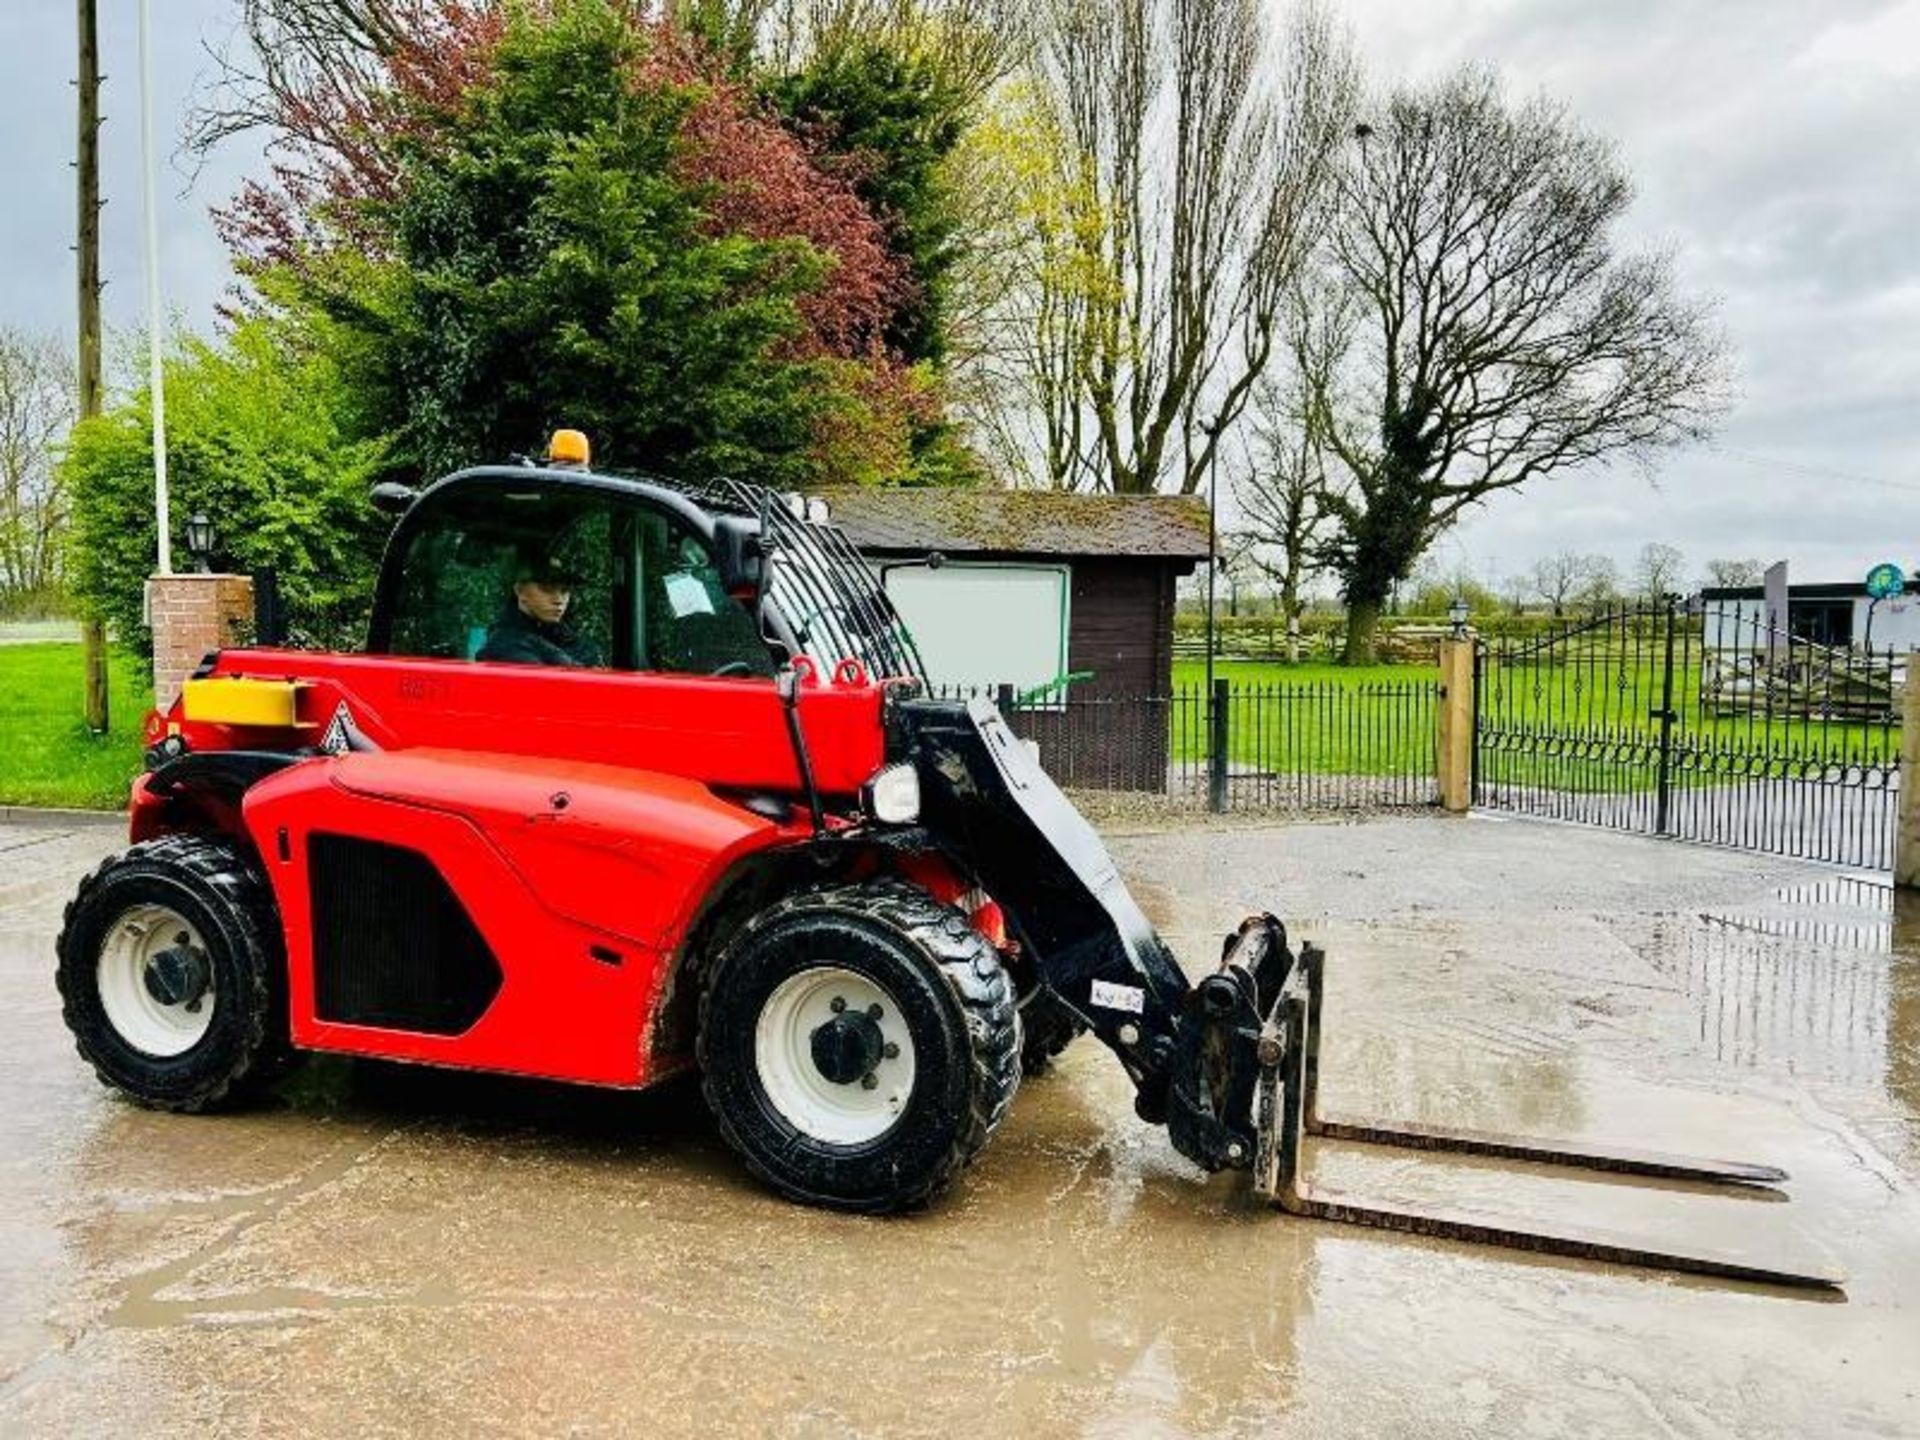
point(988, 625)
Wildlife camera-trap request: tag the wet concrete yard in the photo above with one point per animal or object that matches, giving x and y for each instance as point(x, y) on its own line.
point(391, 1251)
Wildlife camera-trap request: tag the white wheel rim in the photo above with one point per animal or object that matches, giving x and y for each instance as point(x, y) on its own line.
point(821, 1108)
point(137, 1015)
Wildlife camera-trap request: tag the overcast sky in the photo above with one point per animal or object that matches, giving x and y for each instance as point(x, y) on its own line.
point(1775, 144)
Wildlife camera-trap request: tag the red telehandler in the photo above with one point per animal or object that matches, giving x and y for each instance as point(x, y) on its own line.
point(636, 776)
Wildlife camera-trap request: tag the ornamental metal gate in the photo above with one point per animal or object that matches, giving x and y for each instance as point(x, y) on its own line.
point(1712, 723)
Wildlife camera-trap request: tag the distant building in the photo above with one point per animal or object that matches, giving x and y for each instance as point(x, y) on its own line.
point(1832, 614)
point(1039, 586)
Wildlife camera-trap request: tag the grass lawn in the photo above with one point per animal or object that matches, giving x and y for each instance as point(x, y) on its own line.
point(1314, 718)
point(1586, 723)
point(1262, 672)
point(47, 757)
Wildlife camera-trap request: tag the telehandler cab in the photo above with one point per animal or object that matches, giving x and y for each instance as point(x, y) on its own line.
point(635, 777)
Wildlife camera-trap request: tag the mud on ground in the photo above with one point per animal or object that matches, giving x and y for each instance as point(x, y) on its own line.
point(392, 1252)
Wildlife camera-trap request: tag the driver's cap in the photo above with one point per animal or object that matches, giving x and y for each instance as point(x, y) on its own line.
point(544, 567)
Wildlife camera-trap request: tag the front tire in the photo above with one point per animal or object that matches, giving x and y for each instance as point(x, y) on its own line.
point(858, 1045)
point(1047, 1028)
point(172, 976)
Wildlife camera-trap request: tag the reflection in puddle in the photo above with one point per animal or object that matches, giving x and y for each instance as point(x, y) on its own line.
point(1778, 1007)
point(1822, 982)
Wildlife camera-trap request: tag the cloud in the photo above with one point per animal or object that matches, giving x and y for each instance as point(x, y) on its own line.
point(1771, 142)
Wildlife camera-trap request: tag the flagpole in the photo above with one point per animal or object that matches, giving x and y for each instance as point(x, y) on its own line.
point(162, 521)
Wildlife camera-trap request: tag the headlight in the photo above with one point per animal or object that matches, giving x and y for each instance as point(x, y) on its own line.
point(893, 795)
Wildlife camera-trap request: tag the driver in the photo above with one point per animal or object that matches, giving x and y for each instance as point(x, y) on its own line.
point(532, 628)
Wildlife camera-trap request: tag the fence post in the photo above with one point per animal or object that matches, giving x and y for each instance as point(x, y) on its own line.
point(1906, 845)
point(1217, 748)
point(1453, 722)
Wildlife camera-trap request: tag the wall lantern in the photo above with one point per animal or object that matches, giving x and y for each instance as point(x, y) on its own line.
point(200, 540)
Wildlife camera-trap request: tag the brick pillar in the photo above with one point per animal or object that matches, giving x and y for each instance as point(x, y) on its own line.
point(192, 615)
point(1454, 725)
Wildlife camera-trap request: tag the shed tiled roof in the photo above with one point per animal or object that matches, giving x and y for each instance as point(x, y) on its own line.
point(1025, 522)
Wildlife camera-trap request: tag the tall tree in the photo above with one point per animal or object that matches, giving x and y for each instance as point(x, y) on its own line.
point(306, 70)
point(37, 408)
point(970, 44)
point(1175, 164)
point(891, 119)
point(1492, 331)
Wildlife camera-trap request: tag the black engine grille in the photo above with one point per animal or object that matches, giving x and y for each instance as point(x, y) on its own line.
point(392, 944)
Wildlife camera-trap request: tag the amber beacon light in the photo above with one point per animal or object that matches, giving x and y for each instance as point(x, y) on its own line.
point(569, 447)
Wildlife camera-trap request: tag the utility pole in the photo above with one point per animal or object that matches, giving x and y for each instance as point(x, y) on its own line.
point(157, 390)
point(88, 247)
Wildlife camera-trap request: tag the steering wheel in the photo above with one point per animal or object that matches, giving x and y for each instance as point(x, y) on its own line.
point(732, 667)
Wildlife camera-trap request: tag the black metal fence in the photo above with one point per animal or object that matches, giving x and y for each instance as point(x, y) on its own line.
point(1311, 745)
point(1708, 723)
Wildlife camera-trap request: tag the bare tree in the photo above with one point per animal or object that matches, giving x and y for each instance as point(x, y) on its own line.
point(1179, 160)
point(1556, 577)
point(1515, 590)
point(1599, 583)
point(37, 404)
point(1491, 333)
point(1283, 490)
point(1570, 579)
point(1657, 571)
point(285, 60)
point(1238, 564)
point(974, 44)
point(1736, 574)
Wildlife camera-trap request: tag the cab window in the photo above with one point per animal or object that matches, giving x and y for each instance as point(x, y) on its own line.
point(584, 580)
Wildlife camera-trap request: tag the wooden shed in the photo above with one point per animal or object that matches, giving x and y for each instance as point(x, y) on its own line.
point(1066, 598)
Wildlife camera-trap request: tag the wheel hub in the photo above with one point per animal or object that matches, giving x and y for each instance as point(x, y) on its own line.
point(178, 975)
point(834, 1055)
point(156, 981)
point(848, 1046)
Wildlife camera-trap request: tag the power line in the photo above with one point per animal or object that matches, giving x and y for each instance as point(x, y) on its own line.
point(1818, 472)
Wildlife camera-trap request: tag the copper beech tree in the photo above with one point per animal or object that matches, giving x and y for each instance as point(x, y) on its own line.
point(501, 218)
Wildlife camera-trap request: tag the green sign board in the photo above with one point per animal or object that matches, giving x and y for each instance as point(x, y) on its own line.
point(1885, 581)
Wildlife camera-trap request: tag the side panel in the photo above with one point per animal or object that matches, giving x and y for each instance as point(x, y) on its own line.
point(722, 732)
point(581, 966)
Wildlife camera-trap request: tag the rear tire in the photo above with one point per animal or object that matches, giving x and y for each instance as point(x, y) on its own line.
point(829, 990)
point(172, 976)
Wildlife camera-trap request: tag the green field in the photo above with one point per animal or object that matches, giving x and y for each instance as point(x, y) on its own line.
point(1584, 723)
point(1312, 718)
point(47, 756)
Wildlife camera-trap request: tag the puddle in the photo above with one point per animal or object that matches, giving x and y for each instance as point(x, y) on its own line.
point(401, 1250)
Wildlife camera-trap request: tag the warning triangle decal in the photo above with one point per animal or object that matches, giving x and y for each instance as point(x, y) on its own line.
point(336, 741)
